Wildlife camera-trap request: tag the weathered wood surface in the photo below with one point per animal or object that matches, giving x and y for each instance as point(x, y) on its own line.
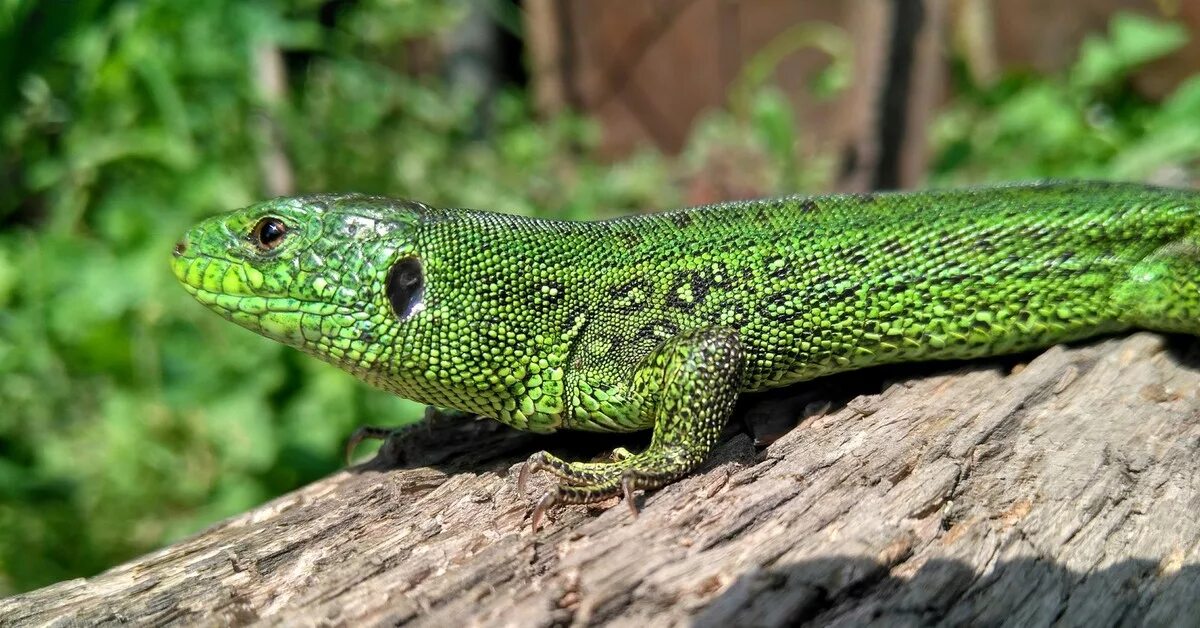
point(1065, 491)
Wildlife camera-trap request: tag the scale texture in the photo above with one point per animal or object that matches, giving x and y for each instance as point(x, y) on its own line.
point(658, 321)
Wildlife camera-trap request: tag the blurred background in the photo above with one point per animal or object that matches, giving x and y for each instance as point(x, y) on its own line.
point(130, 416)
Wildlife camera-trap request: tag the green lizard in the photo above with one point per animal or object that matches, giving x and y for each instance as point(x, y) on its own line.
point(659, 321)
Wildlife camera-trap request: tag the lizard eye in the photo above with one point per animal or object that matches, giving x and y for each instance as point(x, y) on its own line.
point(406, 287)
point(268, 233)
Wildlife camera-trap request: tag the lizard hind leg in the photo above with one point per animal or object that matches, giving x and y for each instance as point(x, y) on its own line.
point(1162, 291)
point(690, 384)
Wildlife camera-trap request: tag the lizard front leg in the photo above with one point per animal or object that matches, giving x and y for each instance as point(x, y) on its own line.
point(689, 385)
point(433, 416)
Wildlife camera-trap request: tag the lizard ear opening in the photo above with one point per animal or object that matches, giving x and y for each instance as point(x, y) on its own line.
point(405, 287)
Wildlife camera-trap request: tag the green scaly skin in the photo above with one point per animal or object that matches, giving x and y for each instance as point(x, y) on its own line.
point(659, 321)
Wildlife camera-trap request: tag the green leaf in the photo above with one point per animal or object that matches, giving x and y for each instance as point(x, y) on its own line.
point(1132, 42)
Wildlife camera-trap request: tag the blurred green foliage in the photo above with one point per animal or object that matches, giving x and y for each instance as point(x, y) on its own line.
point(1087, 123)
point(130, 416)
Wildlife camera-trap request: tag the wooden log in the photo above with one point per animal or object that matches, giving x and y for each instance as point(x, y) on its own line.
point(1063, 491)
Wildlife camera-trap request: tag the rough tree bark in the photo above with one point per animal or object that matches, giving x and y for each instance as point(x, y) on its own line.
point(1061, 491)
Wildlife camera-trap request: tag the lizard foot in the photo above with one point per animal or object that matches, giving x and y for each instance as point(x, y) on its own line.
point(433, 416)
point(591, 482)
point(369, 432)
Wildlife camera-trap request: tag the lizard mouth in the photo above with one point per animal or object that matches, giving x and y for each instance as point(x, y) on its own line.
point(214, 275)
point(229, 289)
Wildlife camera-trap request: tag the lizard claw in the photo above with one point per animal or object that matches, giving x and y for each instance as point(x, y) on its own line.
point(548, 500)
point(535, 463)
point(627, 488)
point(364, 432)
point(523, 479)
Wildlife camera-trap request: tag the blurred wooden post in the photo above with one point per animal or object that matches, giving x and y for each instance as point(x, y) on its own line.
point(273, 162)
point(547, 48)
point(646, 72)
point(649, 71)
point(897, 86)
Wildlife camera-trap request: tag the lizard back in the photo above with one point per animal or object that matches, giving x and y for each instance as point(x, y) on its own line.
point(816, 285)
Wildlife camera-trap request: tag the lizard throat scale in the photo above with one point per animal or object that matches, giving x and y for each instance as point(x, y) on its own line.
point(658, 321)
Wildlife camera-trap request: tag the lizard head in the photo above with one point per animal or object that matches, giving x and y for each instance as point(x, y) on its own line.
point(336, 276)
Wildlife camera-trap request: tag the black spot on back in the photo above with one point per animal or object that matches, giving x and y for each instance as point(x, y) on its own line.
point(784, 311)
point(630, 296)
point(734, 313)
point(779, 267)
point(492, 281)
point(688, 282)
point(551, 292)
point(893, 246)
point(658, 329)
point(630, 238)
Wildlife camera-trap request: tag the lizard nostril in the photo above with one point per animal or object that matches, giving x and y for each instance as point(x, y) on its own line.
point(181, 247)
